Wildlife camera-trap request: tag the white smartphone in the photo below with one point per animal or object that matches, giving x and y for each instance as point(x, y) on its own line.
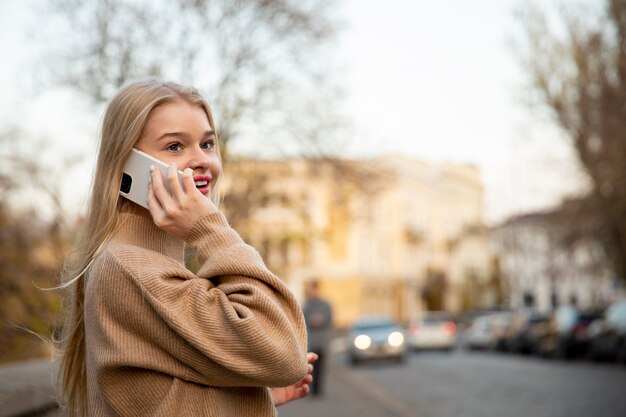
point(136, 176)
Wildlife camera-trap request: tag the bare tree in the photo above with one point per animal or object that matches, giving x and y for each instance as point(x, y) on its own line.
point(262, 62)
point(579, 73)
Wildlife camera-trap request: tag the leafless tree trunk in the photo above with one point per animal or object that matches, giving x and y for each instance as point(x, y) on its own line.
point(580, 75)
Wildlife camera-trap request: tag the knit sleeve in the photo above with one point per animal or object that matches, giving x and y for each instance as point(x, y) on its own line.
point(254, 316)
point(236, 324)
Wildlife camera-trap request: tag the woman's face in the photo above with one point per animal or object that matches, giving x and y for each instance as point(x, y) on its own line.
point(179, 132)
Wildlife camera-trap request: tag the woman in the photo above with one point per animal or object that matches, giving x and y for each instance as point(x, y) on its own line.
point(144, 335)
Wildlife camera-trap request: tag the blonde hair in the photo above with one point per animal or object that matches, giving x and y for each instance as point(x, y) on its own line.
point(122, 126)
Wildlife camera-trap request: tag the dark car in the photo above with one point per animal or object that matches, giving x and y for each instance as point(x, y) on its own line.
point(525, 328)
point(608, 335)
point(566, 334)
point(376, 337)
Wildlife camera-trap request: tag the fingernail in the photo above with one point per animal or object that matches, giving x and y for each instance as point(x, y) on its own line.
point(152, 168)
point(188, 171)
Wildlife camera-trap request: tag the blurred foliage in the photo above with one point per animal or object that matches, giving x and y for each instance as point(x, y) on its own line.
point(31, 248)
point(578, 70)
point(25, 263)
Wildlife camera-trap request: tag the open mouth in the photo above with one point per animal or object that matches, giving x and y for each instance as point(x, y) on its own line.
point(200, 184)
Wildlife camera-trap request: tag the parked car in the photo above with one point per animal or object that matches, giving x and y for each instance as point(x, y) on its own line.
point(608, 335)
point(376, 337)
point(432, 330)
point(565, 335)
point(485, 332)
point(525, 329)
point(500, 328)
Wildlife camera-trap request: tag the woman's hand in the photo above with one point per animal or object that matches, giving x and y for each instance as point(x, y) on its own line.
point(298, 390)
point(177, 211)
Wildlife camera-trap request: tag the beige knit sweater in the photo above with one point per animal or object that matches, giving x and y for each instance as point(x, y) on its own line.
point(162, 341)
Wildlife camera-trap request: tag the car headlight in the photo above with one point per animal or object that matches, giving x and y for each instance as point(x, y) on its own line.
point(395, 339)
point(362, 342)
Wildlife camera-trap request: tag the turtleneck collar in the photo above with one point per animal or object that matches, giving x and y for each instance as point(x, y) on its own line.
point(136, 227)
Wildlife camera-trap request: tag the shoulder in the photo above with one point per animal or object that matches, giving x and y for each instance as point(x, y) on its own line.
point(134, 262)
point(124, 277)
point(111, 259)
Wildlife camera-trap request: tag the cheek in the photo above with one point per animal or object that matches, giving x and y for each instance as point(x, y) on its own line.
point(216, 167)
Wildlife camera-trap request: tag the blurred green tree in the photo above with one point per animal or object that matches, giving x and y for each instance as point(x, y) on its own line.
point(577, 66)
point(31, 248)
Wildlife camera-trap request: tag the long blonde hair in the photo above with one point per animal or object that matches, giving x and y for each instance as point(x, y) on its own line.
point(122, 126)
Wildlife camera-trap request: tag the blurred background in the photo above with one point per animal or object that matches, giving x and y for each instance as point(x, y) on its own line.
point(451, 172)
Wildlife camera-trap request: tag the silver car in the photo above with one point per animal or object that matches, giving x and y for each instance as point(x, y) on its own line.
point(376, 337)
point(432, 330)
point(486, 331)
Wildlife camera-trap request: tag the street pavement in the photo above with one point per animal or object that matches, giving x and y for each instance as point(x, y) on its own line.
point(466, 384)
point(347, 395)
point(463, 384)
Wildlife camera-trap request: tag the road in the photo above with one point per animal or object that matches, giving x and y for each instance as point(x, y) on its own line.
point(460, 384)
point(463, 384)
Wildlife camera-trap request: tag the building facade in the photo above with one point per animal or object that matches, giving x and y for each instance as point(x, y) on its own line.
point(542, 272)
point(389, 235)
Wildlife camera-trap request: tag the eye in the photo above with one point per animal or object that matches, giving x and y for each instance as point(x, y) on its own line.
point(208, 144)
point(174, 147)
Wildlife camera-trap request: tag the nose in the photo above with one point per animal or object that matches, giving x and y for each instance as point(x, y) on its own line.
point(199, 161)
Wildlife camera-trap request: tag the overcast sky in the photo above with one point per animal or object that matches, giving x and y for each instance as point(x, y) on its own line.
point(433, 80)
point(438, 80)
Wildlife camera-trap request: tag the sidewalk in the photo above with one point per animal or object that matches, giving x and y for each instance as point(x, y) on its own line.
point(26, 386)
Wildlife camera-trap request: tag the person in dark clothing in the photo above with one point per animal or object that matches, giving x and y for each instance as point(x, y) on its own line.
point(318, 315)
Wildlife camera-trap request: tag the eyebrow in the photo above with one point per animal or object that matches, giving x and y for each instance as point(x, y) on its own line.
point(183, 135)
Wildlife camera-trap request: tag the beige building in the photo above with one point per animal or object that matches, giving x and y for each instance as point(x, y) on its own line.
point(389, 235)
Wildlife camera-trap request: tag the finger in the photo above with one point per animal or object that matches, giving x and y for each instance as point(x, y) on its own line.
point(174, 182)
point(299, 393)
point(158, 186)
point(188, 183)
point(154, 206)
point(312, 357)
point(303, 392)
point(306, 380)
point(310, 369)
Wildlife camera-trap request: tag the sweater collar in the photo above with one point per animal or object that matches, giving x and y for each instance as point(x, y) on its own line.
point(137, 228)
